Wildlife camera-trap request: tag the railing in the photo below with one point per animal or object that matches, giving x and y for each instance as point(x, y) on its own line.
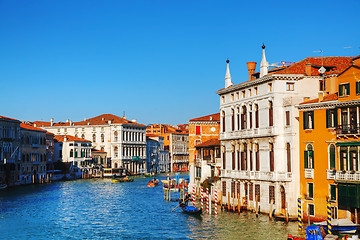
point(347, 176)
point(330, 174)
point(348, 129)
point(309, 173)
point(257, 175)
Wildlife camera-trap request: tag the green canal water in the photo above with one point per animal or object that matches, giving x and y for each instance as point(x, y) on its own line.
point(100, 209)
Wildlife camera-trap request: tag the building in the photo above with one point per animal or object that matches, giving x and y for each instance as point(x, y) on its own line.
point(207, 163)
point(259, 130)
point(33, 154)
point(73, 150)
point(99, 158)
point(175, 138)
point(201, 129)
point(122, 139)
point(10, 151)
point(329, 148)
point(158, 159)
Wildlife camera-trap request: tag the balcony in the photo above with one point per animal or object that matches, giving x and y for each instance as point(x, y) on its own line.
point(309, 173)
point(347, 176)
point(352, 129)
point(257, 175)
point(330, 174)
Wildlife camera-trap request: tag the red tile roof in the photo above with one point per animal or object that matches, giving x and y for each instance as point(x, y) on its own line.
point(212, 117)
point(99, 120)
point(29, 127)
point(333, 65)
point(69, 138)
point(209, 143)
point(326, 98)
point(7, 118)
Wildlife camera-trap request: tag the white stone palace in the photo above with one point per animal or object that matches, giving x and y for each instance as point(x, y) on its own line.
point(259, 132)
point(122, 139)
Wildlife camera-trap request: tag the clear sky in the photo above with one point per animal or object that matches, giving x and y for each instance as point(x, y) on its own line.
point(160, 61)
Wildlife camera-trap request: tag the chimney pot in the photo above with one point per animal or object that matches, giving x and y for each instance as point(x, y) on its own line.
point(251, 68)
point(308, 69)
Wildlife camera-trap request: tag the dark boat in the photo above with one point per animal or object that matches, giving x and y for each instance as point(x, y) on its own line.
point(190, 209)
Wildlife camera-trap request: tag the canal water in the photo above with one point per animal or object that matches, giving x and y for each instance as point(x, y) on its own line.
point(101, 209)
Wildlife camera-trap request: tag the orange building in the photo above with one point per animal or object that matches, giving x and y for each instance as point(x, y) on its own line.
point(201, 129)
point(330, 148)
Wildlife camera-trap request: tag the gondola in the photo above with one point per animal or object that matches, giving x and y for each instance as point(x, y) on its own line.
point(190, 209)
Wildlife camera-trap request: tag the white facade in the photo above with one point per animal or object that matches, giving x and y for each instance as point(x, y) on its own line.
point(123, 140)
point(258, 157)
point(74, 151)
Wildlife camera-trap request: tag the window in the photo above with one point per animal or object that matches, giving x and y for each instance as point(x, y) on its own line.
point(244, 157)
point(344, 89)
point(331, 118)
point(224, 158)
point(197, 130)
point(233, 158)
point(232, 119)
point(256, 116)
point(310, 190)
point(270, 87)
point(237, 96)
point(271, 194)
point(238, 118)
point(223, 99)
point(271, 156)
point(332, 192)
point(116, 152)
point(257, 192)
point(256, 91)
point(251, 191)
point(250, 92)
point(289, 86)
point(309, 157)
point(334, 212)
point(224, 188)
point(288, 157)
point(321, 85)
point(115, 136)
point(257, 157)
point(243, 94)
point(311, 210)
point(250, 116)
point(232, 97)
point(102, 138)
point(332, 156)
point(223, 121)
point(271, 114)
point(71, 153)
point(308, 120)
point(233, 188)
point(198, 172)
point(357, 87)
point(287, 118)
point(243, 117)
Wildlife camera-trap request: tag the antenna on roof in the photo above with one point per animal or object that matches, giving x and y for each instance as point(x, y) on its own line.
point(123, 114)
point(322, 70)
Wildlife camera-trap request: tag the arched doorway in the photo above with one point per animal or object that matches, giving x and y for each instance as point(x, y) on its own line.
point(115, 165)
point(283, 199)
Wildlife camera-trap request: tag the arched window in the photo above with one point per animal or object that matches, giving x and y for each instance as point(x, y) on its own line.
point(232, 119)
point(309, 157)
point(332, 158)
point(76, 135)
point(271, 112)
point(102, 149)
point(102, 138)
point(83, 136)
point(223, 120)
point(244, 157)
point(233, 157)
point(288, 157)
point(238, 118)
point(250, 116)
point(243, 117)
point(271, 153)
point(94, 137)
point(71, 152)
point(115, 136)
point(256, 116)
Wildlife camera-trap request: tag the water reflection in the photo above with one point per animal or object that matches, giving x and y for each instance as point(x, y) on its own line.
point(100, 209)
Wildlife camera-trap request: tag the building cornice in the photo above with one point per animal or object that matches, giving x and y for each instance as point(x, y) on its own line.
point(329, 104)
point(267, 78)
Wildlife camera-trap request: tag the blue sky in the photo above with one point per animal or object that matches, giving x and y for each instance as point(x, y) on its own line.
point(159, 61)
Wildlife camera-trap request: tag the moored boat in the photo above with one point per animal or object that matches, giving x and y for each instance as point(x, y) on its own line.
point(340, 225)
point(153, 183)
point(124, 179)
point(3, 186)
point(190, 209)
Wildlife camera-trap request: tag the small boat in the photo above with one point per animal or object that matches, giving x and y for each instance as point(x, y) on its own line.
point(314, 232)
point(190, 209)
point(344, 225)
point(149, 174)
point(124, 179)
point(3, 186)
point(153, 183)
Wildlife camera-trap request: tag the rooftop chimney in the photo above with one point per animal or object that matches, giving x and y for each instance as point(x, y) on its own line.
point(251, 68)
point(51, 121)
point(67, 120)
point(308, 69)
point(134, 120)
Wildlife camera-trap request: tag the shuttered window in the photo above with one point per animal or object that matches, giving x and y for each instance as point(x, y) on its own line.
point(310, 190)
point(331, 118)
point(332, 156)
point(308, 120)
point(357, 87)
point(333, 192)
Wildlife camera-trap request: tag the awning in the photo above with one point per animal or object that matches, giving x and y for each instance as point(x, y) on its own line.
point(348, 144)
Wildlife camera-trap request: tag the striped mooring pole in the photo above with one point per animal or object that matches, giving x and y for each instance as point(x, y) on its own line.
point(207, 200)
point(194, 196)
point(329, 216)
point(202, 198)
point(215, 202)
point(299, 215)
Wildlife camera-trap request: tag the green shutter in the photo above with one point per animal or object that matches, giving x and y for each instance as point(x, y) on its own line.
point(328, 118)
point(336, 117)
point(347, 86)
point(333, 192)
point(341, 160)
point(332, 158)
point(311, 190)
point(305, 159)
point(358, 87)
point(305, 120)
point(340, 90)
point(311, 154)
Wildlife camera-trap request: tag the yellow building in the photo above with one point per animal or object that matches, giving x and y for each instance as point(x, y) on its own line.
point(330, 148)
